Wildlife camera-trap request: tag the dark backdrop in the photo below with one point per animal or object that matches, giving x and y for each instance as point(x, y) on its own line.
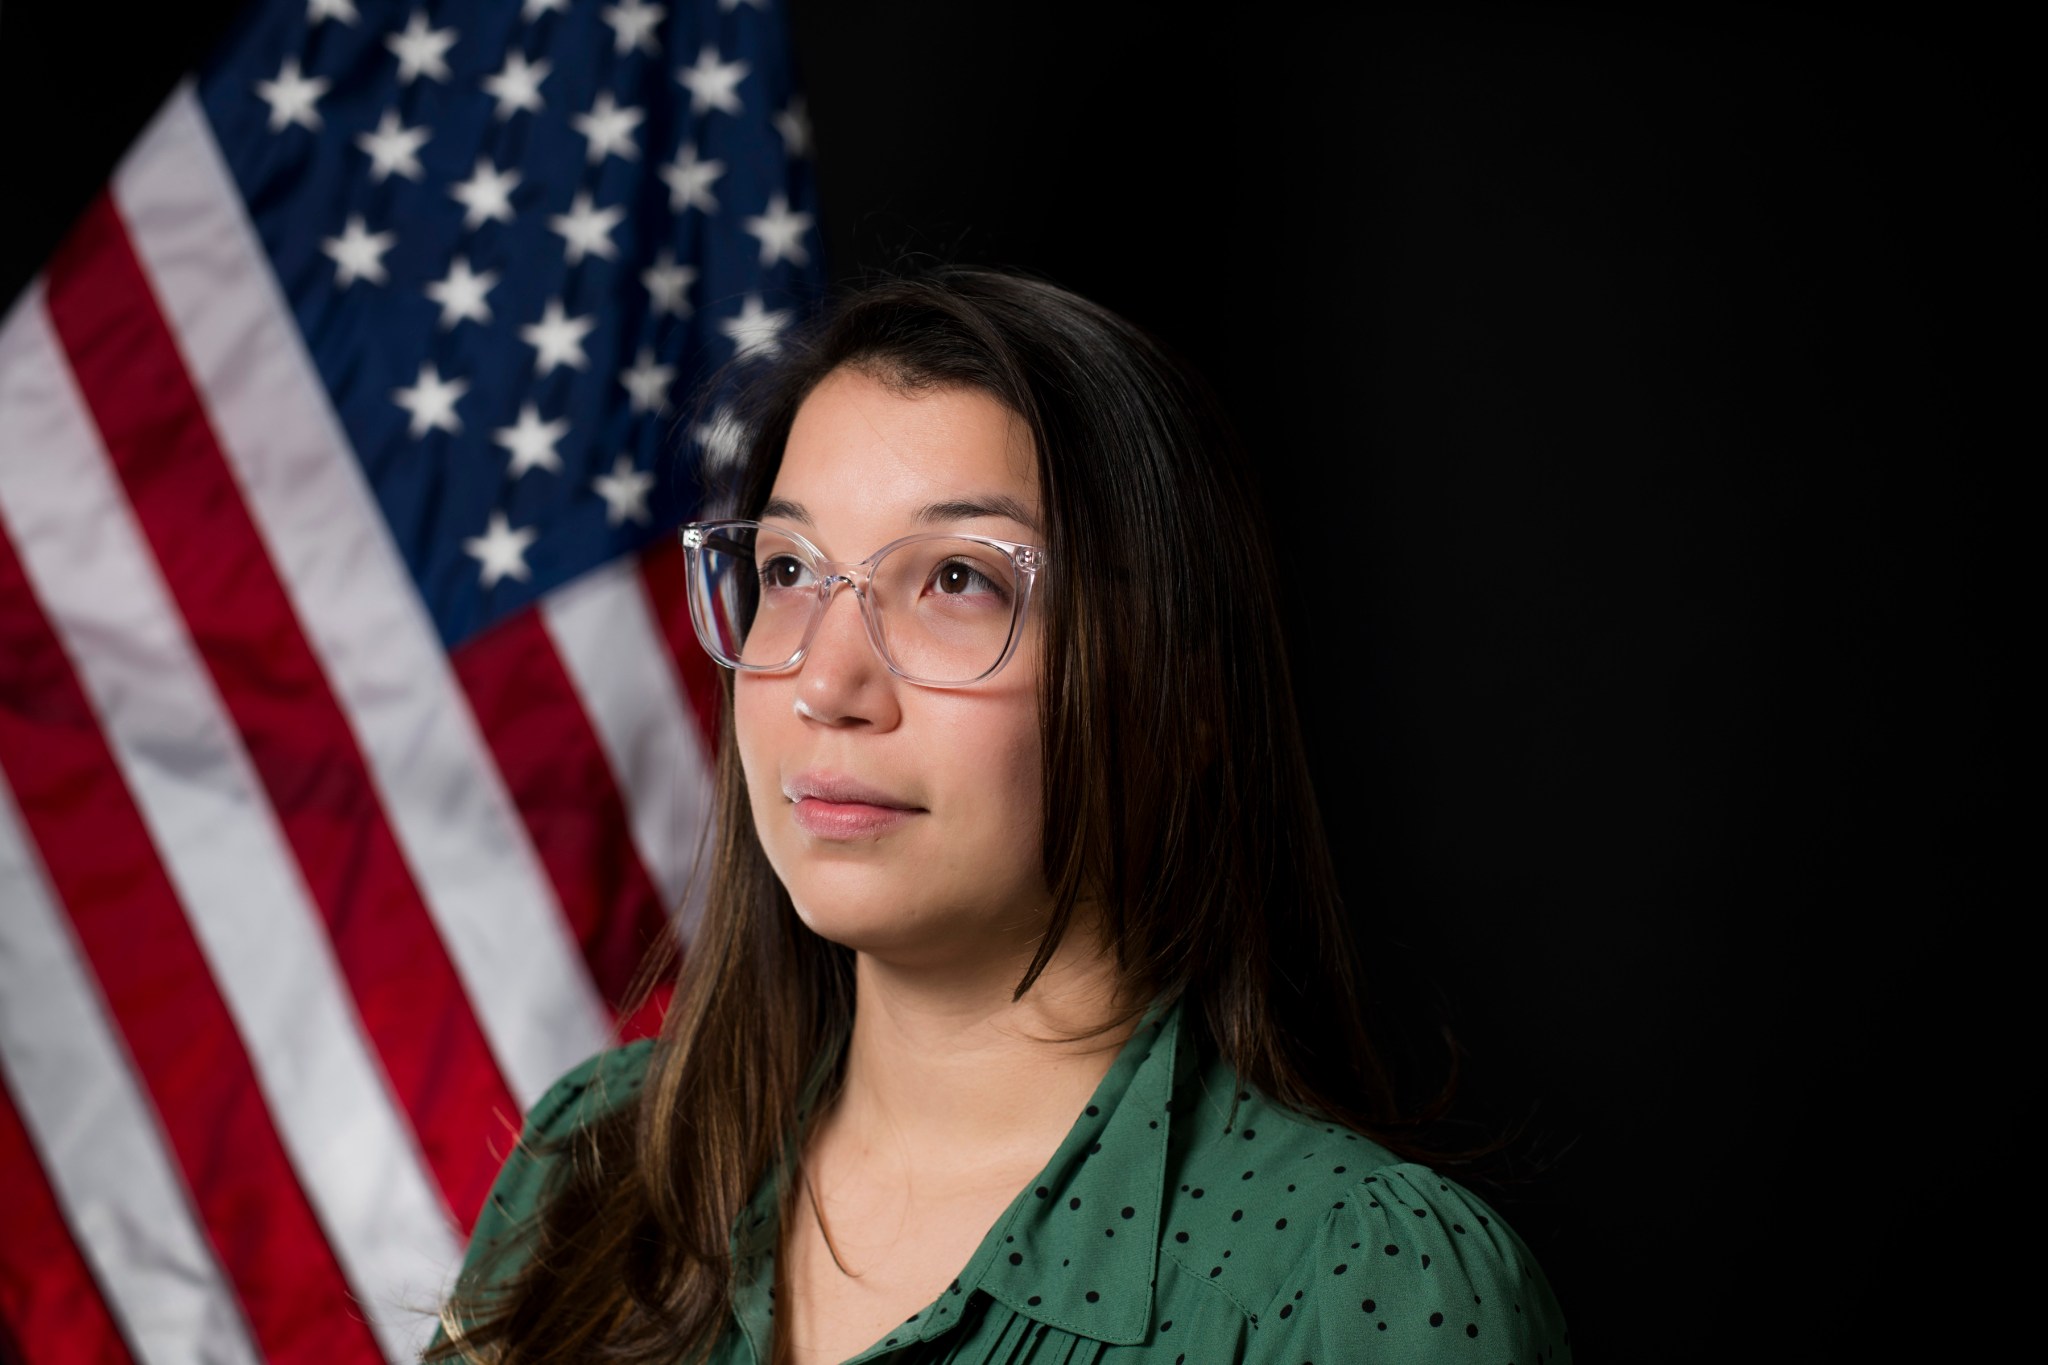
point(1633, 400)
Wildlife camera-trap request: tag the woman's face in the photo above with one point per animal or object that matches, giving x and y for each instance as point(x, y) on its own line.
point(904, 820)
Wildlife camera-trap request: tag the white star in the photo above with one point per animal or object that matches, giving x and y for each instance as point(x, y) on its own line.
point(292, 98)
point(534, 9)
point(501, 551)
point(713, 84)
point(461, 295)
point(794, 123)
point(487, 194)
point(358, 254)
point(421, 51)
point(394, 147)
point(690, 180)
point(344, 10)
point(432, 402)
point(755, 331)
point(781, 232)
point(624, 491)
point(532, 442)
point(648, 382)
point(633, 25)
point(667, 283)
point(724, 437)
point(586, 229)
point(609, 128)
point(517, 87)
point(557, 339)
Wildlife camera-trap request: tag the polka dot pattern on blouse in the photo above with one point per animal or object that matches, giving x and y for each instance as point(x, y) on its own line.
point(1183, 1221)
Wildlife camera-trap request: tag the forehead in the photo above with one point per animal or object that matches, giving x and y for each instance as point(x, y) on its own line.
point(865, 457)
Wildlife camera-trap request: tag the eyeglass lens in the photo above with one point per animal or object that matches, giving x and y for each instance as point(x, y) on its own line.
point(941, 609)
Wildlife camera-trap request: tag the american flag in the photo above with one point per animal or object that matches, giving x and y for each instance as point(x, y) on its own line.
point(353, 740)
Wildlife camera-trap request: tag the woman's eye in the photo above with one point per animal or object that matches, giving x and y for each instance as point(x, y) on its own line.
point(956, 577)
point(784, 572)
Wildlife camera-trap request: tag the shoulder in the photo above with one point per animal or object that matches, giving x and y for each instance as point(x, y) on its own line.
point(1331, 1247)
point(605, 1083)
point(600, 1085)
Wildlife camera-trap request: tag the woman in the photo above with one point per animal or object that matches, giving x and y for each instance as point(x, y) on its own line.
point(1021, 1021)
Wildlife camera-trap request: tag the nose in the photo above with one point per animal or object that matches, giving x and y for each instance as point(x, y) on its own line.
point(842, 681)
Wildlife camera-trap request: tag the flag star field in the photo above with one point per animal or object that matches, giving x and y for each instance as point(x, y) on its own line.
point(561, 151)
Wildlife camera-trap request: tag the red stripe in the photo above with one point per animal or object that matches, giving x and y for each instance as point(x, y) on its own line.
point(664, 578)
point(185, 496)
point(554, 766)
point(644, 1019)
point(49, 1300)
point(188, 1056)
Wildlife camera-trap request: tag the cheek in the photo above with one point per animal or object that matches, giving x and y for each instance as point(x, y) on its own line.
point(993, 735)
point(756, 705)
point(995, 764)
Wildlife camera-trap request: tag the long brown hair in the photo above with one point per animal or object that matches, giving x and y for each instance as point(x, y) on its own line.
point(1177, 800)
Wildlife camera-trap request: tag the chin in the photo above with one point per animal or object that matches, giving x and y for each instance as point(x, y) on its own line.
point(909, 925)
point(884, 932)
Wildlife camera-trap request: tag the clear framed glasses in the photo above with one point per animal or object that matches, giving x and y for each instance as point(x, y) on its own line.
point(941, 610)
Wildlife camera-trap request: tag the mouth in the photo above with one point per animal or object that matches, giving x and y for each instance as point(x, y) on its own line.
point(831, 807)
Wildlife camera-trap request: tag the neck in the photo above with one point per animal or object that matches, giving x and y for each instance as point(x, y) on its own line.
point(946, 1072)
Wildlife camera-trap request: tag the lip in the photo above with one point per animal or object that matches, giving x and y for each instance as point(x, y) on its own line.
point(830, 806)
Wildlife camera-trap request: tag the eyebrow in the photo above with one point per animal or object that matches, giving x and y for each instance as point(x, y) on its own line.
point(989, 505)
point(953, 509)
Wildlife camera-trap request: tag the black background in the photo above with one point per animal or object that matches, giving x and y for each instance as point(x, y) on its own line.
point(1641, 401)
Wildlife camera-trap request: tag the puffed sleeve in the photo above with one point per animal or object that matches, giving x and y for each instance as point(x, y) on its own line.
point(1411, 1267)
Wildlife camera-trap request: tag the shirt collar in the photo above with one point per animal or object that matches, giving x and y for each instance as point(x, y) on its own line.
point(1078, 1248)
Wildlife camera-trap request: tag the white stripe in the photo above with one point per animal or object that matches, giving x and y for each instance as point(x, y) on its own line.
point(97, 1135)
point(605, 632)
point(461, 834)
point(207, 814)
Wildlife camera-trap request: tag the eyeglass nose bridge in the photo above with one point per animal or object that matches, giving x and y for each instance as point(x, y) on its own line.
point(859, 577)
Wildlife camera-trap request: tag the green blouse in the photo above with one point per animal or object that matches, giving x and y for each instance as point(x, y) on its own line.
point(1165, 1230)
